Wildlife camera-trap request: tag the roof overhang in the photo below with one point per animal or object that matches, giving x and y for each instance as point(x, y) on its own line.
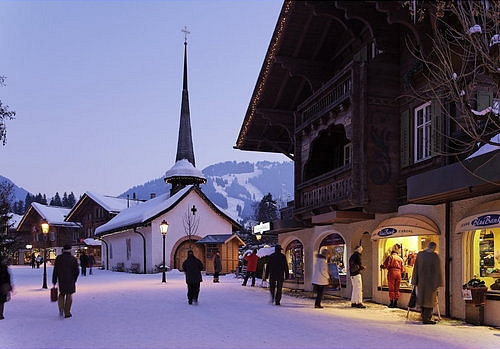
point(340, 217)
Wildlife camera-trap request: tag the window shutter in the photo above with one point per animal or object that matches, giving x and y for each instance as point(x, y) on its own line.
point(405, 139)
point(436, 128)
point(484, 100)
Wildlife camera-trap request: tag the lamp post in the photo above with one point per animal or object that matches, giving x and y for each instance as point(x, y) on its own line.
point(29, 247)
point(45, 231)
point(163, 230)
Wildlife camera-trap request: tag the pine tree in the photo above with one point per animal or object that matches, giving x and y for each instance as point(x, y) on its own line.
point(65, 200)
point(267, 210)
point(71, 200)
point(56, 200)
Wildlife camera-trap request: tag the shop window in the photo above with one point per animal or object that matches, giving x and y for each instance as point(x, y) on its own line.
point(295, 257)
point(486, 255)
point(407, 248)
point(336, 248)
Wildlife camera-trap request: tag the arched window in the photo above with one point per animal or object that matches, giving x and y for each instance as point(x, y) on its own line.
point(295, 257)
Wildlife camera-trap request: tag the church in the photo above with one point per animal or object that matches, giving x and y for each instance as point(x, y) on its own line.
point(133, 241)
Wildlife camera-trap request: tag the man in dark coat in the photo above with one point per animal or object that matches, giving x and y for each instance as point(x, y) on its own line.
point(217, 266)
point(277, 272)
point(192, 267)
point(66, 272)
point(84, 262)
point(5, 285)
point(355, 269)
point(427, 278)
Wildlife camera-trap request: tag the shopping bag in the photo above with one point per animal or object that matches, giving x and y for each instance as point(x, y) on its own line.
point(53, 294)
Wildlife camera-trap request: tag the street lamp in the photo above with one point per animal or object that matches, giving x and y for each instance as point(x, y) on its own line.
point(45, 231)
point(163, 230)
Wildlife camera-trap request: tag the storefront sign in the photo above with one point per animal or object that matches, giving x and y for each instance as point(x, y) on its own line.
point(262, 227)
point(489, 220)
point(387, 232)
point(405, 225)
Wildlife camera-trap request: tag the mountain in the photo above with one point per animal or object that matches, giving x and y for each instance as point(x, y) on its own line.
point(236, 187)
point(19, 193)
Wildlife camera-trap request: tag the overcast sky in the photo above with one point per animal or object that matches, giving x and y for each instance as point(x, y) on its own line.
point(96, 86)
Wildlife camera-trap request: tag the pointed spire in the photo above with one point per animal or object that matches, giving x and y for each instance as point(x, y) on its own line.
point(184, 172)
point(185, 140)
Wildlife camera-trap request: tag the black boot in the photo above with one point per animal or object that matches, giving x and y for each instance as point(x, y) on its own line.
point(391, 305)
point(395, 304)
point(426, 316)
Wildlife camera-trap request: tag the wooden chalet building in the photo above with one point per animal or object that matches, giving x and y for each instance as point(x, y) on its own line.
point(335, 95)
point(60, 232)
point(93, 210)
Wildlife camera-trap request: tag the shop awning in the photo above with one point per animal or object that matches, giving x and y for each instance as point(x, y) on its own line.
point(405, 225)
point(480, 221)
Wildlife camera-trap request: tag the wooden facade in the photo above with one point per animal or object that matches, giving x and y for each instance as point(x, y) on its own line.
point(336, 94)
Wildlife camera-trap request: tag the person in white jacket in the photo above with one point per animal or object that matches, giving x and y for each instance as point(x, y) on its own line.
point(321, 276)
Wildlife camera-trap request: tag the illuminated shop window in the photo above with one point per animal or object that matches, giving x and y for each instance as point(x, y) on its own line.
point(486, 255)
point(407, 248)
point(337, 251)
point(295, 257)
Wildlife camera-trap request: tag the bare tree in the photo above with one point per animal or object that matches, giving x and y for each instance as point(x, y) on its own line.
point(462, 71)
point(5, 114)
point(190, 222)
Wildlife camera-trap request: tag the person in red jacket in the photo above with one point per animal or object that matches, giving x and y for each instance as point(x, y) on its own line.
point(251, 260)
point(394, 265)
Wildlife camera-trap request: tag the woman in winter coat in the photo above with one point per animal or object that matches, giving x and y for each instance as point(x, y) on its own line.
point(321, 276)
point(217, 266)
point(394, 265)
point(5, 285)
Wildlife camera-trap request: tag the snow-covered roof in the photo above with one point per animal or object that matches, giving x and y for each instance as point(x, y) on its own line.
point(54, 215)
point(487, 148)
point(183, 168)
point(112, 204)
point(14, 219)
point(138, 214)
point(216, 239)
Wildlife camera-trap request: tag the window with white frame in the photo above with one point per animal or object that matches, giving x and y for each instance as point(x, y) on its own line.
point(422, 132)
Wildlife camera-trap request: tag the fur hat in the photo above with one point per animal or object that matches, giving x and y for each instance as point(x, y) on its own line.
point(278, 248)
point(67, 248)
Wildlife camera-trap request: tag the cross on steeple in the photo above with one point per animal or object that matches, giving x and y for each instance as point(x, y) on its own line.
point(186, 32)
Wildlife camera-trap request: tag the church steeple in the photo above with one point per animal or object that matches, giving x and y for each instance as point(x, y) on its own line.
point(184, 172)
point(185, 140)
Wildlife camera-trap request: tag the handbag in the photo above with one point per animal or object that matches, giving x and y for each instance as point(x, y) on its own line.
point(53, 294)
point(413, 298)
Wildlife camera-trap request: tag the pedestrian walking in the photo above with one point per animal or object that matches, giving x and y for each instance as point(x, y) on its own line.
point(355, 269)
point(91, 263)
point(251, 260)
point(394, 265)
point(217, 266)
point(84, 262)
point(427, 278)
point(320, 276)
point(39, 260)
point(277, 272)
point(192, 268)
point(66, 273)
point(5, 285)
point(33, 260)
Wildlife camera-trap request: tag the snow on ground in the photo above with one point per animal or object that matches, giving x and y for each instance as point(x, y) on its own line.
point(121, 310)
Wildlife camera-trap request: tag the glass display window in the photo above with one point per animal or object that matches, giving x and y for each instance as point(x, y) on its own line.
point(295, 257)
point(335, 245)
point(407, 248)
point(485, 255)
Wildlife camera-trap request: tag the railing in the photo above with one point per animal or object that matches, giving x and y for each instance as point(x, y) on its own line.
point(338, 92)
point(330, 191)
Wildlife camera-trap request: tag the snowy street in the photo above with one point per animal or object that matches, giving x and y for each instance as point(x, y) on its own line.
point(122, 310)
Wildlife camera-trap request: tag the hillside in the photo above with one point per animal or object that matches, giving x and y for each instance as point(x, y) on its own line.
point(235, 186)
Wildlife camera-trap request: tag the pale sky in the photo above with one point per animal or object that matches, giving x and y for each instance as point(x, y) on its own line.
point(96, 86)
